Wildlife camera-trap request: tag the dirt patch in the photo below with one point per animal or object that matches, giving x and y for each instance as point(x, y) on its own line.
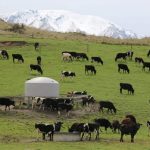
point(13, 43)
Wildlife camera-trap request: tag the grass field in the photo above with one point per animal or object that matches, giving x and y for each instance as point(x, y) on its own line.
point(17, 127)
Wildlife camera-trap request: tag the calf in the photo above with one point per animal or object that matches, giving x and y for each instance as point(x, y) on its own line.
point(97, 59)
point(36, 67)
point(90, 68)
point(128, 127)
point(126, 86)
point(107, 104)
point(123, 67)
point(18, 57)
point(6, 102)
point(68, 74)
point(121, 55)
point(49, 129)
point(102, 122)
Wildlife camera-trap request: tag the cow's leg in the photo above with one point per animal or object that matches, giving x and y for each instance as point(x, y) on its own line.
point(82, 136)
point(5, 107)
point(43, 136)
point(132, 138)
point(89, 136)
point(121, 138)
point(121, 90)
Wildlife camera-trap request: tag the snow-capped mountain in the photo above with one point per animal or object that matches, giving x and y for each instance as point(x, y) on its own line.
point(66, 21)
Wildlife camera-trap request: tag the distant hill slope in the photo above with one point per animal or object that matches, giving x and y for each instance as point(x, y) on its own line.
point(66, 21)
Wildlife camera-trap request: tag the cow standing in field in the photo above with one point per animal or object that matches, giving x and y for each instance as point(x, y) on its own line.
point(146, 65)
point(139, 60)
point(76, 93)
point(36, 45)
point(96, 59)
point(66, 57)
point(68, 74)
point(36, 67)
point(124, 67)
point(18, 57)
point(39, 59)
point(107, 104)
point(129, 127)
point(6, 102)
point(82, 56)
point(126, 86)
point(48, 129)
point(90, 68)
point(4, 54)
point(121, 55)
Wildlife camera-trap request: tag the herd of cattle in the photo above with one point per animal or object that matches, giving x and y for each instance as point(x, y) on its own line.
point(126, 126)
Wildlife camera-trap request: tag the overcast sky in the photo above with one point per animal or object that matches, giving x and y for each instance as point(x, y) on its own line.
point(129, 14)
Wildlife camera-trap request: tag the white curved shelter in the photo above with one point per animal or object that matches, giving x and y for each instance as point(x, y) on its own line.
point(42, 87)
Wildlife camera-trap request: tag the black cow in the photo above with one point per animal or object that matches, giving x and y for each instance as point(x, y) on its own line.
point(36, 45)
point(115, 126)
point(124, 67)
point(129, 127)
point(90, 68)
point(76, 93)
point(107, 104)
point(6, 102)
point(18, 57)
point(39, 60)
point(82, 56)
point(102, 122)
point(126, 86)
point(139, 60)
point(36, 67)
point(49, 129)
point(121, 55)
point(148, 125)
point(4, 54)
point(85, 128)
point(97, 59)
point(146, 65)
point(68, 74)
point(148, 54)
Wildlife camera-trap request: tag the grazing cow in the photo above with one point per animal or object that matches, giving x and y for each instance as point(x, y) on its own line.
point(39, 60)
point(107, 104)
point(146, 65)
point(36, 67)
point(88, 100)
point(126, 86)
point(139, 60)
point(82, 56)
point(18, 57)
point(4, 54)
point(66, 57)
point(85, 128)
point(49, 129)
point(76, 93)
point(130, 54)
point(36, 45)
point(73, 54)
point(124, 67)
point(97, 59)
point(68, 74)
point(6, 102)
point(148, 54)
point(128, 127)
point(115, 126)
point(121, 55)
point(90, 68)
point(148, 125)
point(102, 122)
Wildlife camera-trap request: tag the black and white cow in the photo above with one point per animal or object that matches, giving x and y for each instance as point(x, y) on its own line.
point(4, 54)
point(48, 129)
point(90, 68)
point(96, 59)
point(36, 67)
point(124, 67)
point(68, 74)
point(126, 86)
point(82, 56)
point(6, 102)
point(37, 101)
point(146, 65)
point(121, 55)
point(139, 60)
point(18, 57)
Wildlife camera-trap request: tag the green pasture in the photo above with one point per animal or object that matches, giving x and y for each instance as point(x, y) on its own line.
point(17, 127)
